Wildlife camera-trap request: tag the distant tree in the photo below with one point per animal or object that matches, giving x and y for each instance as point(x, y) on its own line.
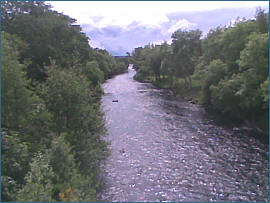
point(155, 59)
point(262, 19)
point(93, 73)
point(186, 50)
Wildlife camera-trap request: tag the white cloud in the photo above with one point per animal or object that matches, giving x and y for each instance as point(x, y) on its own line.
point(181, 24)
point(120, 26)
point(96, 44)
point(146, 12)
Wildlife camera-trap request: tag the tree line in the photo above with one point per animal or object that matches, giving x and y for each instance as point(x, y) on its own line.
point(227, 69)
point(52, 124)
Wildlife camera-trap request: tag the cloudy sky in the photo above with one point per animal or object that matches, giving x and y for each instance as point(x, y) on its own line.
point(120, 26)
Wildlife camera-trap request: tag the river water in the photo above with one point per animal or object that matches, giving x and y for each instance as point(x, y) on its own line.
point(163, 149)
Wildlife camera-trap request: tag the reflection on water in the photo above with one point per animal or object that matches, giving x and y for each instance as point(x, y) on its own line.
point(168, 150)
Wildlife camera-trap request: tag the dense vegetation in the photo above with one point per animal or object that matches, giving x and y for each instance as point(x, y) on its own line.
point(52, 125)
point(227, 70)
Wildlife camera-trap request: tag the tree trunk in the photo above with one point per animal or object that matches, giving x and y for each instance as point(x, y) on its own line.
point(190, 82)
point(186, 83)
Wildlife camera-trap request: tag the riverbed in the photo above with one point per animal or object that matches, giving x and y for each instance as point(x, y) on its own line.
point(166, 149)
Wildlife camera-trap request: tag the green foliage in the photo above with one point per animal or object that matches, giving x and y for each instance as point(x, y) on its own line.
point(142, 74)
point(61, 160)
point(22, 110)
point(186, 49)
point(15, 156)
point(224, 97)
point(212, 45)
point(16, 97)
point(254, 56)
point(233, 42)
point(177, 60)
point(38, 185)
point(123, 63)
point(56, 111)
point(213, 73)
point(150, 60)
point(262, 19)
point(107, 63)
point(64, 41)
point(239, 87)
point(83, 188)
point(67, 97)
point(155, 60)
point(265, 91)
point(15, 163)
point(93, 73)
point(66, 173)
point(231, 64)
point(69, 184)
point(9, 188)
point(10, 9)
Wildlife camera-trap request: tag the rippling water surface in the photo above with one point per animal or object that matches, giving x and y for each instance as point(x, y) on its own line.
point(169, 150)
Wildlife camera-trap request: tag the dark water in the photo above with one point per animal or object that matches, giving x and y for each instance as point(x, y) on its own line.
point(168, 150)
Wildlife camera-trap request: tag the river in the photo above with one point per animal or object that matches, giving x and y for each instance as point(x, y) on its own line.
point(163, 149)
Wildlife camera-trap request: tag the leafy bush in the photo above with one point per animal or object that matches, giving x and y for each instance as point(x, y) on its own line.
point(213, 73)
point(61, 159)
point(15, 163)
point(82, 188)
point(93, 73)
point(14, 156)
point(9, 187)
point(16, 97)
point(142, 74)
point(38, 185)
point(68, 98)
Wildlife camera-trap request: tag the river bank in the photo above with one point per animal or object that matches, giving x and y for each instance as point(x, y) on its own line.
point(193, 96)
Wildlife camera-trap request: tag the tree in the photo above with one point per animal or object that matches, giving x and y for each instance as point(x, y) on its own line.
point(22, 110)
point(67, 97)
point(93, 73)
point(155, 59)
point(212, 45)
point(186, 50)
point(16, 97)
point(213, 73)
point(254, 72)
point(262, 20)
point(65, 43)
point(14, 161)
point(10, 9)
point(233, 41)
point(255, 56)
point(54, 114)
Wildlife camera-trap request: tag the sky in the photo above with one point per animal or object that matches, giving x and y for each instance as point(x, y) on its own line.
point(121, 26)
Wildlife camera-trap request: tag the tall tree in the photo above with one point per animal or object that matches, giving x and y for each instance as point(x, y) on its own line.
point(186, 49)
